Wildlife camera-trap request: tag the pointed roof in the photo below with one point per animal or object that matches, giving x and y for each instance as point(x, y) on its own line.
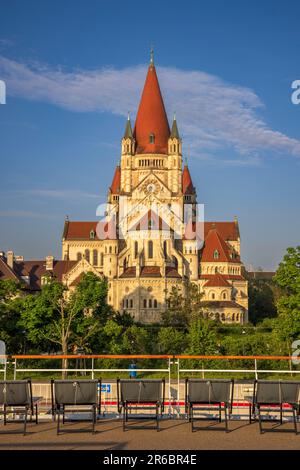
point(116, 182)
point(151, 117)
point(128, 129)
point(174, 131)
point(187, 184)
point(149, 221)
point(214, 242)
point(217, 280)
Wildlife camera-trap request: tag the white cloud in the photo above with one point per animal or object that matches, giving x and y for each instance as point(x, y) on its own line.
point(212, 114)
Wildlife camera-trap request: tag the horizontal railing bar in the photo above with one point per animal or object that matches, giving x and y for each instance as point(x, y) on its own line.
point(242, 370)
point(91, 370)
point(145, 356)
point(271, 358)
point(92, 356)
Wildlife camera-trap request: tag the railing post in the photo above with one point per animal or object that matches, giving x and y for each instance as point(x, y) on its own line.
point(170, 409)
point(92, 368)
point(178, 384)
point(15, 369)
point(255, 366)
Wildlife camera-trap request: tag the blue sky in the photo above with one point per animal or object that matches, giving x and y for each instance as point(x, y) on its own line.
point(74, 68)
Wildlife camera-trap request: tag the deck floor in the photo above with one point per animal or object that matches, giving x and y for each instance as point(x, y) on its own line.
point(174, 434)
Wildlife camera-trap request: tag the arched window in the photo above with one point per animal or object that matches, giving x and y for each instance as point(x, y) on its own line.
point(87, 255)
point(224, 296)
point(150, 303)
point(150, 249)
point(145, 303)
point(136, 249)
point(216, 254)
point(131, 303)
point(126, 303)
point(165, 249)
point(92, 234)
point(155, 303)
point(223, 316)
point(110, 249)
point(151, 138)
point(101, 259)
point(175, 261)
point(95, 257)
point(213, 295)
point(79, 256)
point(233, 317)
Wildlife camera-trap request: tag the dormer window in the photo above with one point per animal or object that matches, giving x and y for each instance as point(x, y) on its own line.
point(151, 138)
point(92, 234)
point(216, 254)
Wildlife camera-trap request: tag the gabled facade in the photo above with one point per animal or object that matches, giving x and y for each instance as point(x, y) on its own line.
point(143, 246)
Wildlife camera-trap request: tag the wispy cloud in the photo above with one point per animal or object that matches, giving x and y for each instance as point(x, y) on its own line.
point(27, 214)
point(212, 113)
point(62, 194)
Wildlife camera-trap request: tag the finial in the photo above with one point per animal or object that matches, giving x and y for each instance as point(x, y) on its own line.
point(151, 56)
point(174, 116)
point(128, 116)
point(66, 218)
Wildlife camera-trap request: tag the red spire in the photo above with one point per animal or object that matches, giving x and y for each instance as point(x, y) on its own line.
point(151, 118)
point(116, 182)
point(187, 184)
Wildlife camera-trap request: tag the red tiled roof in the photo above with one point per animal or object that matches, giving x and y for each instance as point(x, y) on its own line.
point(217, 280)
point(6, 272)
point(36, 269)
point(222, 304)
point(78, 230)
point(116, 182)
point(228, 277)
point(172, 272)
point(150, 271)
point(187, 184)
point(151, 118)
point(227, 230)
point(213, 242)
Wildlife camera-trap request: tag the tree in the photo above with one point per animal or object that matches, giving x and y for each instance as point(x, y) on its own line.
point(184, 307)
point(171, 341)
point(65, 319)
point(287, 277)
point(202, 339)
point(10, 331)
point(261, 300)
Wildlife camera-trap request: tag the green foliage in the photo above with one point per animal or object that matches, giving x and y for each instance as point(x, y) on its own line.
point(202, 339)
point(184, 306)
point(10, 330)
point(68, 321)
point(287, 326)
point(261, 300)
point(171, 341)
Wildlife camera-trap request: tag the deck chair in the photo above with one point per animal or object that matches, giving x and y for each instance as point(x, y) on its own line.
point(276, 396)
point(15, 397)
point(75, 396)
point(147, 395)
point(208, 395)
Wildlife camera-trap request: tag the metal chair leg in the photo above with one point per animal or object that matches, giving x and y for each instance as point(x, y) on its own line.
point(226, 419)
point(295, 421)
point(220, 413)
point(25, 421)
point(192, 418)
point(124, 417)
point(260, 421)
point(4, 413)
point(94, 418)
point(58, 421)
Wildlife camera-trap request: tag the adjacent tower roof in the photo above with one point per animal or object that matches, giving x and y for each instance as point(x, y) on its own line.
point(116, 182)
point(187, 184)
point(151, 126)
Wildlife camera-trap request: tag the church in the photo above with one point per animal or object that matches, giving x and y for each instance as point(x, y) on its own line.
point(152, 236)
